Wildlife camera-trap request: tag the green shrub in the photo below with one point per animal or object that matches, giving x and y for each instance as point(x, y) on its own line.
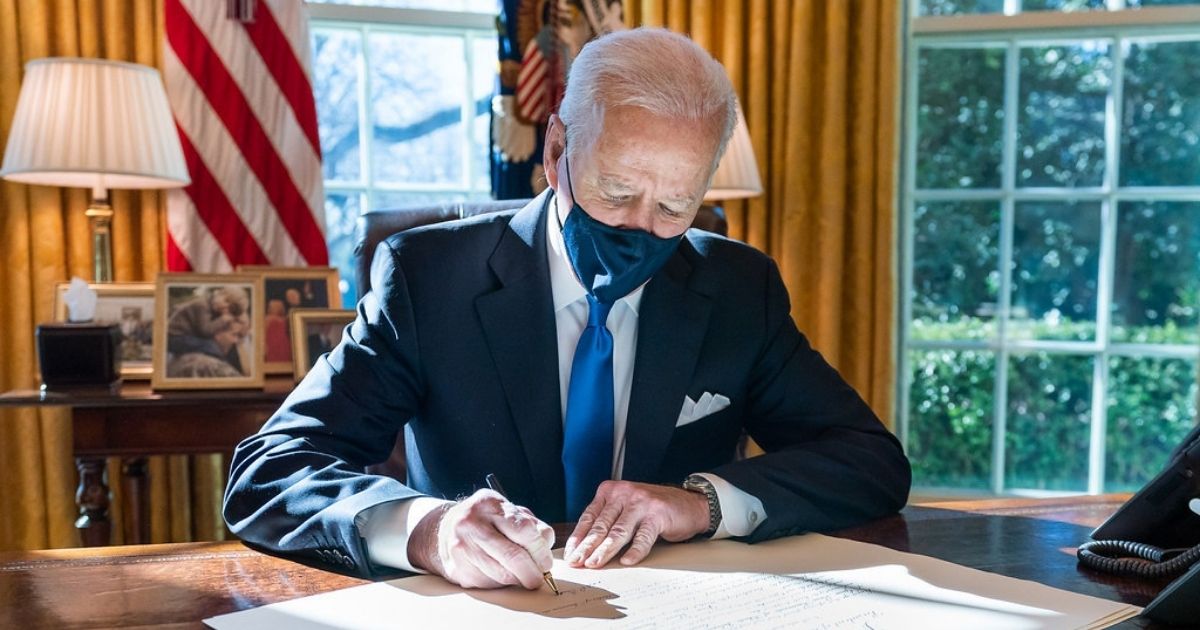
point(1150, 406)
point(950, 418)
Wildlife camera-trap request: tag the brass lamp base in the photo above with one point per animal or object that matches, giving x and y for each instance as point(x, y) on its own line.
point(99, 215)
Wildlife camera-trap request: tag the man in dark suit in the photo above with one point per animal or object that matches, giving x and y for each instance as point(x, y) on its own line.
point(590, 351)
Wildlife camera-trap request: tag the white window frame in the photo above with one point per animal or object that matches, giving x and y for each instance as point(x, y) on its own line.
point(366, 20)
point(1010, 30)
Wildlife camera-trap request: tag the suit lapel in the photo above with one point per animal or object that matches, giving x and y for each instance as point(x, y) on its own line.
point(518, 322)
point(672, 321)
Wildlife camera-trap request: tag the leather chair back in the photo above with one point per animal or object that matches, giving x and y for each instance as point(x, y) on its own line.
point(377, 225)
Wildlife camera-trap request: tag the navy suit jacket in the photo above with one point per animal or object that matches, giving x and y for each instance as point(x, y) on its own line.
point(456, 345)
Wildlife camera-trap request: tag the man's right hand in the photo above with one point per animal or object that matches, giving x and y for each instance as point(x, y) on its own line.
point(483, 541)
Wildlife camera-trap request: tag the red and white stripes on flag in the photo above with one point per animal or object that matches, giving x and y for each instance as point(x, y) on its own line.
point(532, 85)
point(243, 103)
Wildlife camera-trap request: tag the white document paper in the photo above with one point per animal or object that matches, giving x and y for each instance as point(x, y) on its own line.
point(810, 581)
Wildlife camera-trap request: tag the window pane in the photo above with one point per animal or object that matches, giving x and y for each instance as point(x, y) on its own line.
point(952, 7)
point(341, 233)
point(1062, 5)
point(960, 116)
point(1160, 140)
point(1056, 254)
point(418, 85)
point(485, 69)
point(1151, 406)
point(1156, 291)
point(950, 418)
point(1049, 422)
point(956, 249)
point(1137, 4)
point(474, 6)
point(336, 55)
point(1060, 130)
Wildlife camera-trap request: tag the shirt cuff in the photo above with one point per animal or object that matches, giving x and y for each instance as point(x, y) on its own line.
point(385, 529)
point(741, 512)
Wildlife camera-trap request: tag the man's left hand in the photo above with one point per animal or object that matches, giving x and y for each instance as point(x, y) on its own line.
point(634, 514)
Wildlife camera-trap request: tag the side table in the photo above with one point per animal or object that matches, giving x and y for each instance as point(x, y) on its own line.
point(135, 422)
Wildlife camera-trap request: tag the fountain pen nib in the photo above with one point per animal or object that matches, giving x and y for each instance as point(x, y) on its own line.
point(551, 583)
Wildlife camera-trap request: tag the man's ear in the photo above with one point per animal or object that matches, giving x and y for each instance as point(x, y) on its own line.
point(556, 143)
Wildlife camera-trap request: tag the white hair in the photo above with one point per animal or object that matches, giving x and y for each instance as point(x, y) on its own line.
point(651, 68)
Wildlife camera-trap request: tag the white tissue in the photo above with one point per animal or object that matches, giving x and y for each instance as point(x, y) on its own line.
point(81, 301)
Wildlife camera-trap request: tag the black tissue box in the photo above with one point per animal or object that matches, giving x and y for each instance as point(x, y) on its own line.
point(75, 356)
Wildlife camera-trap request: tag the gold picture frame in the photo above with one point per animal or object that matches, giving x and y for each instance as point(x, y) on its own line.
point(130, 305)
point(286, 289)
point(305, 349)
point(207, 331)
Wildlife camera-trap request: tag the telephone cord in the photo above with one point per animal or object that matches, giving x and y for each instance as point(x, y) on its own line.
point(1134, 559)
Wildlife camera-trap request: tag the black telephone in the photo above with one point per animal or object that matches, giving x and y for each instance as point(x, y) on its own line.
point(1156, 534)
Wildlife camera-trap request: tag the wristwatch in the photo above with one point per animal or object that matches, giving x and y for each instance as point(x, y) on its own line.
point(696, 483)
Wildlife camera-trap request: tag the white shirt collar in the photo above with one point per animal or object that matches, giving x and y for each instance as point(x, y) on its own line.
point(565, 287)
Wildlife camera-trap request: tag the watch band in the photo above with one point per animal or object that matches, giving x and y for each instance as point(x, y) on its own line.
point(696, 483)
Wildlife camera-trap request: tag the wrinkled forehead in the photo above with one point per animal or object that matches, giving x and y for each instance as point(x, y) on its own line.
point(634, 144)
point(632, 126)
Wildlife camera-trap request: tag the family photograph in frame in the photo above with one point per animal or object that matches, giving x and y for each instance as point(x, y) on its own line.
point(208, 331)
point(284, 290)
point(130, 305)
point(315, 332)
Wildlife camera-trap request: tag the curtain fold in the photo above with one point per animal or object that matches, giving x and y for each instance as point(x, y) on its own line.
point(46, 240)
point(818, 84)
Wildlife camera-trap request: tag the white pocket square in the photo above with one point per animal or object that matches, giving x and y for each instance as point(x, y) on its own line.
point(694, 410)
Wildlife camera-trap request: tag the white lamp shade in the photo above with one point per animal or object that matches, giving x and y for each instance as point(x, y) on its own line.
point(737, 174)
point(93, 123)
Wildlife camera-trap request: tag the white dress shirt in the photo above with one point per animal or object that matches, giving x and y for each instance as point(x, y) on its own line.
point(386, 527)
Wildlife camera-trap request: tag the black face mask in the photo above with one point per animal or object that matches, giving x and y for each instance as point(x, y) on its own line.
point(611, 262)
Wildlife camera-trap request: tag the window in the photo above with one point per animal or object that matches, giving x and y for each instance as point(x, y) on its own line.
point(403, 98)
point(1051, 221)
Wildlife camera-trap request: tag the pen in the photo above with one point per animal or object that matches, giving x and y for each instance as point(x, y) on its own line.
point(494, 484)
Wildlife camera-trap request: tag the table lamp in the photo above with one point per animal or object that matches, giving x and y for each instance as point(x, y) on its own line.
point(94, 123)
point(737, 174)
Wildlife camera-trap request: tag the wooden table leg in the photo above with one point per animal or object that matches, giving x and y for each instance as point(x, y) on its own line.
point(137, 493)
point(93, 497)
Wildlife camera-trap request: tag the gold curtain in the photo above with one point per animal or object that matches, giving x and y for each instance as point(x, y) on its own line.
point(818, 84)
point(45, 240)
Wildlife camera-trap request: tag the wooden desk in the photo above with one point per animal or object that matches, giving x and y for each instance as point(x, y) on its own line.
point(179, 585)
point(136, 422)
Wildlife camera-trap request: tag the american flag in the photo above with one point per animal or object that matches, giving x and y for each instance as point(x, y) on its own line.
point(532, 85)
point(238, 79)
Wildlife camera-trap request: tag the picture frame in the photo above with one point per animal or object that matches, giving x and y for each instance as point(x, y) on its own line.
point(286, 289)
point(321, 330)
point(129, 305)
point(207, 331)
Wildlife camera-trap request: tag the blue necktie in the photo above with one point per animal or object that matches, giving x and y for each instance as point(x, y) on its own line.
point(588, 434)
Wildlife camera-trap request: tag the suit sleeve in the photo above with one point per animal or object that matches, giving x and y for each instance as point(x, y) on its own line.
point(829, 462)
point(296, 486)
